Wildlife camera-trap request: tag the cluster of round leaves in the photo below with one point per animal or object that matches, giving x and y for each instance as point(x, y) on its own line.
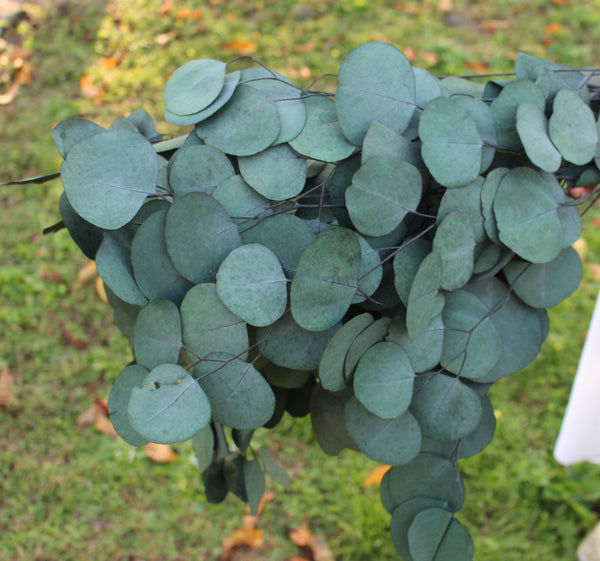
point(376, 259)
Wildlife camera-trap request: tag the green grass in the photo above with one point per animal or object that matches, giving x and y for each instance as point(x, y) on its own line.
point(69, 493)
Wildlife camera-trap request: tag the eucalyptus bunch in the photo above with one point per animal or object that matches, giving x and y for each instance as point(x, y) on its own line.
point(375, 258)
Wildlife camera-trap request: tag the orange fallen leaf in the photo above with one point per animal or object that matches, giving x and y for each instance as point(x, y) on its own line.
point(244, 537)
point(100, 290)
point(445, 6)
point(160, 453)
point(595, 269)
point(563, 3)
point(303, 537)
point(108, 62)
point(103, 424)
point(72, 340)
point(308, 47)
point(6, 393)
point(553, 28)
point(50, 275)
point(88, 416)
point(251, 521)
point(87, 273)
point(375, 477)
point(88, 88)
point(184, 13)
point(495, 24)
point(165, 8)
point(241, 47)
point(477, 67)
point(596, 222)
point(197, 14)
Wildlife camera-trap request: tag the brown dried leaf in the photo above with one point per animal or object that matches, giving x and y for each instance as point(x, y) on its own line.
point(375, 477)
point(304, 538)
point(88, 416)
point(244, 537)
point(160, 453)
point(595, 269)
point(72, 340)
point(103, 424)
point(6, 393)
point(251, 521)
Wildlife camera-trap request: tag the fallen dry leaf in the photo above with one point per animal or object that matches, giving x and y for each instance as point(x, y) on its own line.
point(71, 340)
point(477, 67)
point(87, 273)
point(581, 247)
point(108, 62)
point(88, 417)
point(375, 477)
point(445, 6)
point(160, 453)
point(100, 291)
point(103, 424)
point(241, 47)
point(244, 537)
point(6, 393)
point(495, 24)
point(553, 28)
point(316, 546)
point(251, 521)
point(595, 269)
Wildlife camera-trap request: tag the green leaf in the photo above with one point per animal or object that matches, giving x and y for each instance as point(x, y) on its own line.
point(472, 344)
point(169, 407)
point(423, 299)
point(87, 236)
point(545, 285)
point(383, 380)
point(194, 86)
point(208, 326)
point(382, 141)
point(273, 469)
point(287, 344)
point(243, 204)
point(157, 334)
point(108, 176)
point(370, 273)
point(113, 261)
point(321, 138)
point(372, 334)
point(477, 441)
point(331, 366)
point(378, 439)
point(451, 143)
point(454, 243)
point(383, 191)
point(203, 443)
point(277, 173)
point(504, 108)
point(118, 400)
point(199, 235)
point(254, 480)
point(532, 126)
point(153, 269)
point(445, 407)
point(435, 535)
point(327, 419)
point(252, 284)
point(286, 235)
point(572, 128)
point(376, 84)
point(406, 264)
point(527, 216)
point(70, 132)
point(246, 125)
point(198, 168)
point(467, 200)
point(284, 377)
point(326, 279)
point(239, 396)
point(488, 196)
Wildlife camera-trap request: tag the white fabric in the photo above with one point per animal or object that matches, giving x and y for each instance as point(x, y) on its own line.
point(579, 437)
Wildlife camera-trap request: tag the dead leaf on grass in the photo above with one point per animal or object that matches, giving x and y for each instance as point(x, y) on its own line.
point(251, 521)
point(160, 453)
point(88, 417)
point(375, 477)
point(595, 269)
point(103, 424)
point(244, 537)
point(316, 546)
point(241, 47)
point(6, 393)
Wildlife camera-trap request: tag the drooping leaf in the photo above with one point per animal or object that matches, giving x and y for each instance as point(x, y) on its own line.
point(370, 273)
point(254, 479)
point(423, 298)
point(108, 176)
point(532, 126)
point(169, 407)
point(327, 419)
point(406, 264)
point(372, 334)
point(376, 84)
point(72, 131)
point(203, 443)
point(87, 236)
point(273, 469)
point(326, 279)
point(252, 284)
point(239, 396)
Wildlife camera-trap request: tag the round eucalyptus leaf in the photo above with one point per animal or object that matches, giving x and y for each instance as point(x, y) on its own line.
point(454, 243)
point(426, 476)
point(369, 336)
point(382, 141)
point(451, 143)
point(383, 380)
point(239, 396)
point(249, 123)
point(198, 168)
point(108, 176)
point(485, 257)
point(477, 441)
point(254, 481)
point(113, 262)
point(231, 82)
point(287, 344)
point(403, 516)
point(286, 235)
point(472, 344)
point(286, 96)
point(118, 400)
point(243, 204)
point(321, 138)
point(435, 535)
point(284, 377)
point(568, 213)
point(370, 273)
point(124, 314)
point(376, 84)
point(326, 279)
point(331, 366)
point(423, 351)
point(208, 326)
point(446, 408)
point(327, 419)
point(378, 438)
point(153, 269)
point(572, 128)
point(423, 296)
point(203, 444)
point(527, 217)
point(199, 235)
point(70, 132)
point(532, 126)
point(169, 406)
point(406, 264)
point(488, 196)
point(467, 200)
point(504, 108)
point(157, 334)
point(194, 86)
point(383, 191)
point(277, 173)
point(544, 285)
point(87, 236)
point(252, 284)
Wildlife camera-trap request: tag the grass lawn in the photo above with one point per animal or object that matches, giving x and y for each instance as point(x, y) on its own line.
point(70, 492)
